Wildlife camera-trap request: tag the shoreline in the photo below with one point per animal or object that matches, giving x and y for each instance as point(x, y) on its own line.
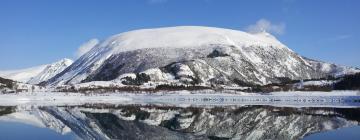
point(180, 97)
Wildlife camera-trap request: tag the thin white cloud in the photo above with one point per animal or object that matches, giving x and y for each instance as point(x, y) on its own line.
point(264, 25)
point(164, 1)
point(288, 1)
point(157, 1)
point(87, 46)
point(332, 39)
point(340, 37)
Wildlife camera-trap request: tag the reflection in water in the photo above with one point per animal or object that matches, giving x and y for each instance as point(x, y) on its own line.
point(20, 131)
point(103, 121)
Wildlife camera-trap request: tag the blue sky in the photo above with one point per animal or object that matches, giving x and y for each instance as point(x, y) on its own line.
point(34, 32)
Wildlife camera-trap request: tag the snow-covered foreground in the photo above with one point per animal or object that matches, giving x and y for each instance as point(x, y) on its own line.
point(185, 98)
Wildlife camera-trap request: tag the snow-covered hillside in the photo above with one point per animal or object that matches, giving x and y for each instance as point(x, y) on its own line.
point(37, 74)
point(332, 69)
point(22, 75)
point(189, 55)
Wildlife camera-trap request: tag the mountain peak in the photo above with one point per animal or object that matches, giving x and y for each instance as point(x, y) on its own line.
point(265, 34)
point(65, 61)
point(51, 70)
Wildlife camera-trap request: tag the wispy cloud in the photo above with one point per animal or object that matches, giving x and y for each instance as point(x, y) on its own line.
point(332, 39)
point(339, 37)
point(164, 1)
point(264, 25)
point(87, 46)
point(156, 1)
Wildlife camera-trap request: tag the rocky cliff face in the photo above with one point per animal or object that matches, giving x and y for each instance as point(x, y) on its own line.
point(217, 64)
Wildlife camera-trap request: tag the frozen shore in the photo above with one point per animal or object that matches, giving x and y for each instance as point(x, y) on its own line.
point(295, 98)
point(57, 98)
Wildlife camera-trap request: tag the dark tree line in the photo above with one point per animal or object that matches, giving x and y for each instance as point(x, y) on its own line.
point(8, 83)
point(349, 82)
point(140, 79)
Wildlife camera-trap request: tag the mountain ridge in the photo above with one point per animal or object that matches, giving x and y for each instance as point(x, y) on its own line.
point(37, 74)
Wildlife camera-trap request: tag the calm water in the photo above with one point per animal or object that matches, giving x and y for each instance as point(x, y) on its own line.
point(189, 117)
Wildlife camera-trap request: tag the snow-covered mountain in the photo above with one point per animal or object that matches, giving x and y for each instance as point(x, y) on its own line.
point(189, 55)
point(37, 74)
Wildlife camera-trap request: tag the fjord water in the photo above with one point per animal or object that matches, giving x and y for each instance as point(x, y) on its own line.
point(188, 117)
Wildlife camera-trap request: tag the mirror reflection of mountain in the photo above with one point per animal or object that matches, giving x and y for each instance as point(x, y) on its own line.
point(103, 121)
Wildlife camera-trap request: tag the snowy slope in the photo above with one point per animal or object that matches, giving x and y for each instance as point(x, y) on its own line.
point(37, 74)
point(182, 37)
point(190, 55)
